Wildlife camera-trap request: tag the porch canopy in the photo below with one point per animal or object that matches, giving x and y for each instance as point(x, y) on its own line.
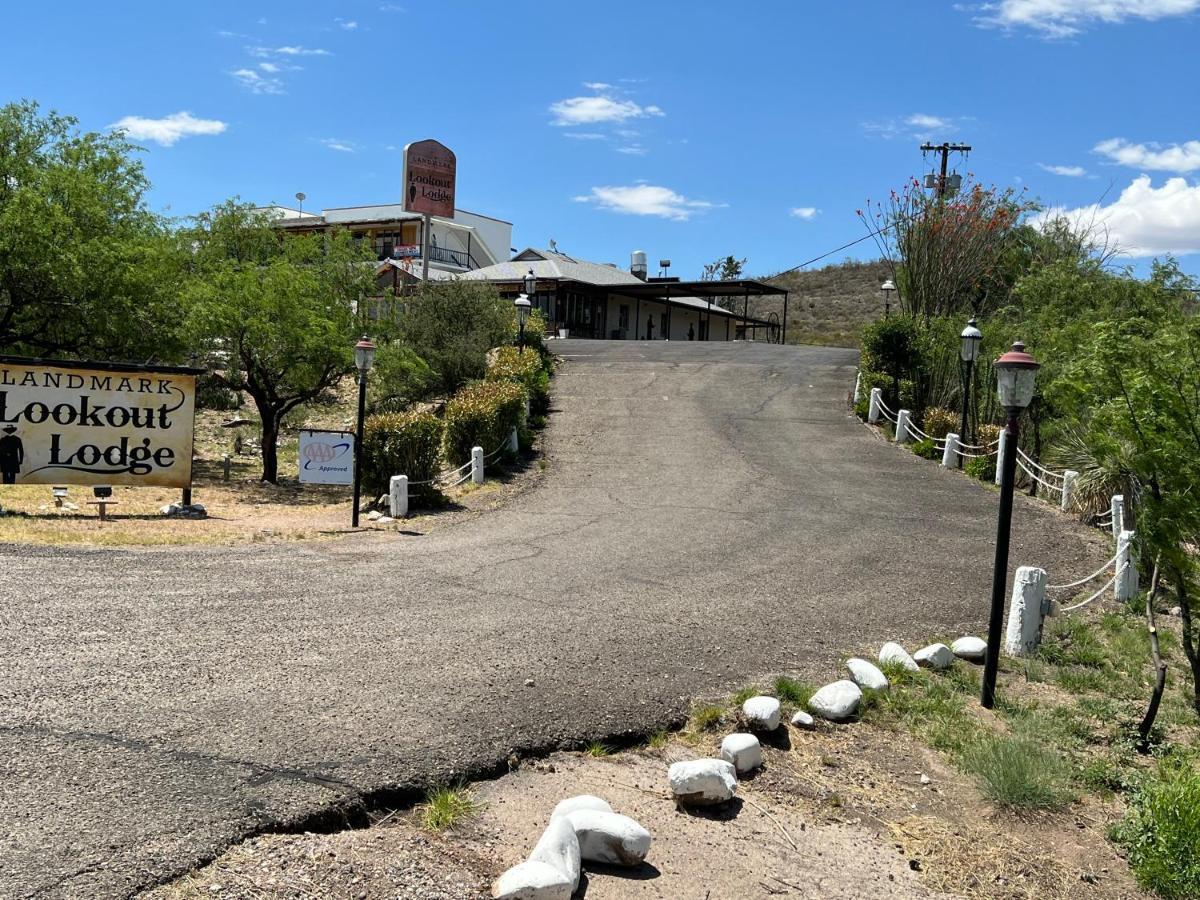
point(702, 294)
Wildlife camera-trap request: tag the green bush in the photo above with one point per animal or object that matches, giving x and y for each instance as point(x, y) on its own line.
point(940, 422)
point(1019, 772)
point(892, 346)
point(407, 443)
point(895, 401)
point(926, 449)
point(451, 325)
point(1161, 832)
point(981, 467)
point(526, 368)
point(482, 414)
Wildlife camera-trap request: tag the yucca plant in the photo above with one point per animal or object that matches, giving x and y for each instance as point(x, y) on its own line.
point(1100, 476)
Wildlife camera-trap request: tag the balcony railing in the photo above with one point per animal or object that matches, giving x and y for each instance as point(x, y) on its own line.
point(460, 258)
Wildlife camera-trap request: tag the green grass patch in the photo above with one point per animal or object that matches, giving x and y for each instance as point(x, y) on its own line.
point(743, 695)
point(597, 749)
point(797, 693)
point(658, 739)
point(1018, 773)
point(898, 674)
point(706, 717)
point(447, 807)
point(929, 707)
point(1161, 833)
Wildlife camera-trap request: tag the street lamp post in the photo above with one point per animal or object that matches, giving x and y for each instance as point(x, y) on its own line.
point(364, 357)
point(522, 304)
point(887, 287)
point(1016, 372)
point(969, 352)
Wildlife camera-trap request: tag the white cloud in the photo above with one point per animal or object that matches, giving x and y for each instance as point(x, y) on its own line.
point(933, 123)
point(347, 24)
point(804, 212)
point(339, 145)
point(269, 66)
point(1145, 220)
point(1063, 18)
point(597, 86)
point(1179, 158)
point(169, 129)
point(288, 51)
point(391, 8)
point(584, 135)
point(256, 83)
point(633, 150)
point(915, 126)
point(646, 200)
point(599, 109)
point(1065, 171)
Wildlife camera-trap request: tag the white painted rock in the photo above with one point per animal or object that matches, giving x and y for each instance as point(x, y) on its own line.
point(761, 713)
point(935, 656)
point(702, 782)
point(743, 750)
point(532, 881)
point(803, 720)
point(559, 847)
point(893, 652)
point(866, 675)
point(374, 515)
point(583, 801)
point(836, 702)
point(609, 837)
point(969, 648)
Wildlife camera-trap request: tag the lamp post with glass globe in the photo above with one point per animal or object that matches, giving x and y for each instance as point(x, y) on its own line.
point(1016, 372)
point(364, 357)
point(523, 304)
point(887, 287)
point(971, 337)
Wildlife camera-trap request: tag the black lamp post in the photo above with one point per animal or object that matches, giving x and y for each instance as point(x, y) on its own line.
point(364, 357)
point(972, 337)
point(522, 304)
point(887, 287)
point(1016, 372)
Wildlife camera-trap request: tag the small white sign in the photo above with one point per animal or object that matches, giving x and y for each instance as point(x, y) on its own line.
point(326, 457)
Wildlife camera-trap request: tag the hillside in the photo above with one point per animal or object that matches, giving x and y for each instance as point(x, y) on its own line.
point(829, 305)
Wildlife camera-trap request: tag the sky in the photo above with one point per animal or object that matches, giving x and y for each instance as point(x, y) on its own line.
point(691, 130)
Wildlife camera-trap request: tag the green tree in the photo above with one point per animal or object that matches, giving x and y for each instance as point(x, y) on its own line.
point(277, 314)
point(85, 268)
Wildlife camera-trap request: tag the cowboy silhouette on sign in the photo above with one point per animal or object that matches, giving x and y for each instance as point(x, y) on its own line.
point(12, 454)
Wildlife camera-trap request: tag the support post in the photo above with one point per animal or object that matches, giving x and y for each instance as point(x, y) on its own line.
point(783, 340)
point(398, 496)
point(1126, 584)
point(477, 465)
point(873, 412)
point(901, 436)
point(1026, 612)
point(1006, 468)
point(358, 442)
point(1118, 515)
point(857, 387)
point(1001, 456)
point(1068, 492)
point(514, 446)
point(948, 455)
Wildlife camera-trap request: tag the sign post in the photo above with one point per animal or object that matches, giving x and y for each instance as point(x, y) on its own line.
point(430, 170)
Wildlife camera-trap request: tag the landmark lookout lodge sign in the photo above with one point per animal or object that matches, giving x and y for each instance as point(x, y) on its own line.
point(95, 423)
point(429, 176)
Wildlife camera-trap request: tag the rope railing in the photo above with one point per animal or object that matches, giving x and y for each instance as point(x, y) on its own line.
point(1047, 485)
point(1105, 587)
point(1021, 454)
point(1085, 580)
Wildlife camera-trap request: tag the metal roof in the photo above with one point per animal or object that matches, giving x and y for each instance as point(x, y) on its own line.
point(548, 265)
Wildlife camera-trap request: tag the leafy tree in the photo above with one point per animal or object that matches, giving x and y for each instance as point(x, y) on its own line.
point(85, 268)
point(279, 314)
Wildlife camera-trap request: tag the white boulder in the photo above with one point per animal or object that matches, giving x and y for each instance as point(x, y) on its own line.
point(743, 750)
point(609, 837)
point(761, 713)
point(969, 648)
point(891, 652)
point(533, 881)
point(935, 656)
point(866, 675)
point(836, 702)
point(803, 720)
point(702, 782)
point(583, 801)
point(559, 847)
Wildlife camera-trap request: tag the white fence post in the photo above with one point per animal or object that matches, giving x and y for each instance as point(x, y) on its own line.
point(1068, 489)
point(1126, 584)
point(1118, 515)
point(1001, 452)
point(513, 445)
point(398, 496)
point(901, 436)
point(477, 465)
point(857, 387)
point(948, 460)
point(873, 412)
point(1026, 611)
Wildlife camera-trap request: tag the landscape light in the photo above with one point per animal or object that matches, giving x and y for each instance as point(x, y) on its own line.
point(1016, 373)
point(364, 354)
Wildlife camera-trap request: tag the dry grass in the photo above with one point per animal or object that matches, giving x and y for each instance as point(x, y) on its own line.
point(829, 305)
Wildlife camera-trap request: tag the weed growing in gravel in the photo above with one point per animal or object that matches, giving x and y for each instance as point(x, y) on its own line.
point(797, 693)
point(597, 749)
point(743, 695)
point(446, 807)
point(705, 717)
point(1016, 772)
point(658, 739)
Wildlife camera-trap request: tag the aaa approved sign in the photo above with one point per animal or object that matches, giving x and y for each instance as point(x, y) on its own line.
point(326, 457)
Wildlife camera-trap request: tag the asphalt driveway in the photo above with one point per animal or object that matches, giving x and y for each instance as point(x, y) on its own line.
point(710, 512)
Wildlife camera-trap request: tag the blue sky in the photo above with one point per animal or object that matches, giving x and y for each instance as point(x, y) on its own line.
point(688, 129)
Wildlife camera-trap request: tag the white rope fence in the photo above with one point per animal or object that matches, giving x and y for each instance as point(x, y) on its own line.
point(472, 470)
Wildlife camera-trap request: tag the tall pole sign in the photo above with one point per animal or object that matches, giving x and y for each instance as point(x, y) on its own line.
point(429, 175)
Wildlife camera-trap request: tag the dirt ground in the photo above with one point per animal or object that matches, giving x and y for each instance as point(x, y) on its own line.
point(842, 812)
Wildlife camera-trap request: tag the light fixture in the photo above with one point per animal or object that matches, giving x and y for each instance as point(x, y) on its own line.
point(522, 304)
point(1016, 374)
point(971, 338)
point(530, 283)
point(364, 354)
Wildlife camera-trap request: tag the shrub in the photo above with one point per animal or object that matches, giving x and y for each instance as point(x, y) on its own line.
point(451, 325)
point(887, 386)
point(407, 443)
point(926, 449)
point(988, 434)
point(940, 422)
point(1018, 772)
point(482, 415)
point(1161, 832)
point(981, 467)
point(214, 393)
point(526, 368)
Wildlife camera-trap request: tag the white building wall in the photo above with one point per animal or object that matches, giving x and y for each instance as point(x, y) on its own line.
point(681, 320)
point(496, 235)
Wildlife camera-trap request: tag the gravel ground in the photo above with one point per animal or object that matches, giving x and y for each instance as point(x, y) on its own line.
point(709, 512)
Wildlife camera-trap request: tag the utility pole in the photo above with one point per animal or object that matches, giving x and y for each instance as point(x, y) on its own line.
point(945, 149)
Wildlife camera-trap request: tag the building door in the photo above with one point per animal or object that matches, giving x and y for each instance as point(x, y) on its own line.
point(662, 326)
point(623, 320)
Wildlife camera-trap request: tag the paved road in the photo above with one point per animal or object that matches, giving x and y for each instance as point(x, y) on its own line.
point(709, 512)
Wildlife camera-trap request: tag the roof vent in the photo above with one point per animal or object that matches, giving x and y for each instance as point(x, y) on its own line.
point(637, 264)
